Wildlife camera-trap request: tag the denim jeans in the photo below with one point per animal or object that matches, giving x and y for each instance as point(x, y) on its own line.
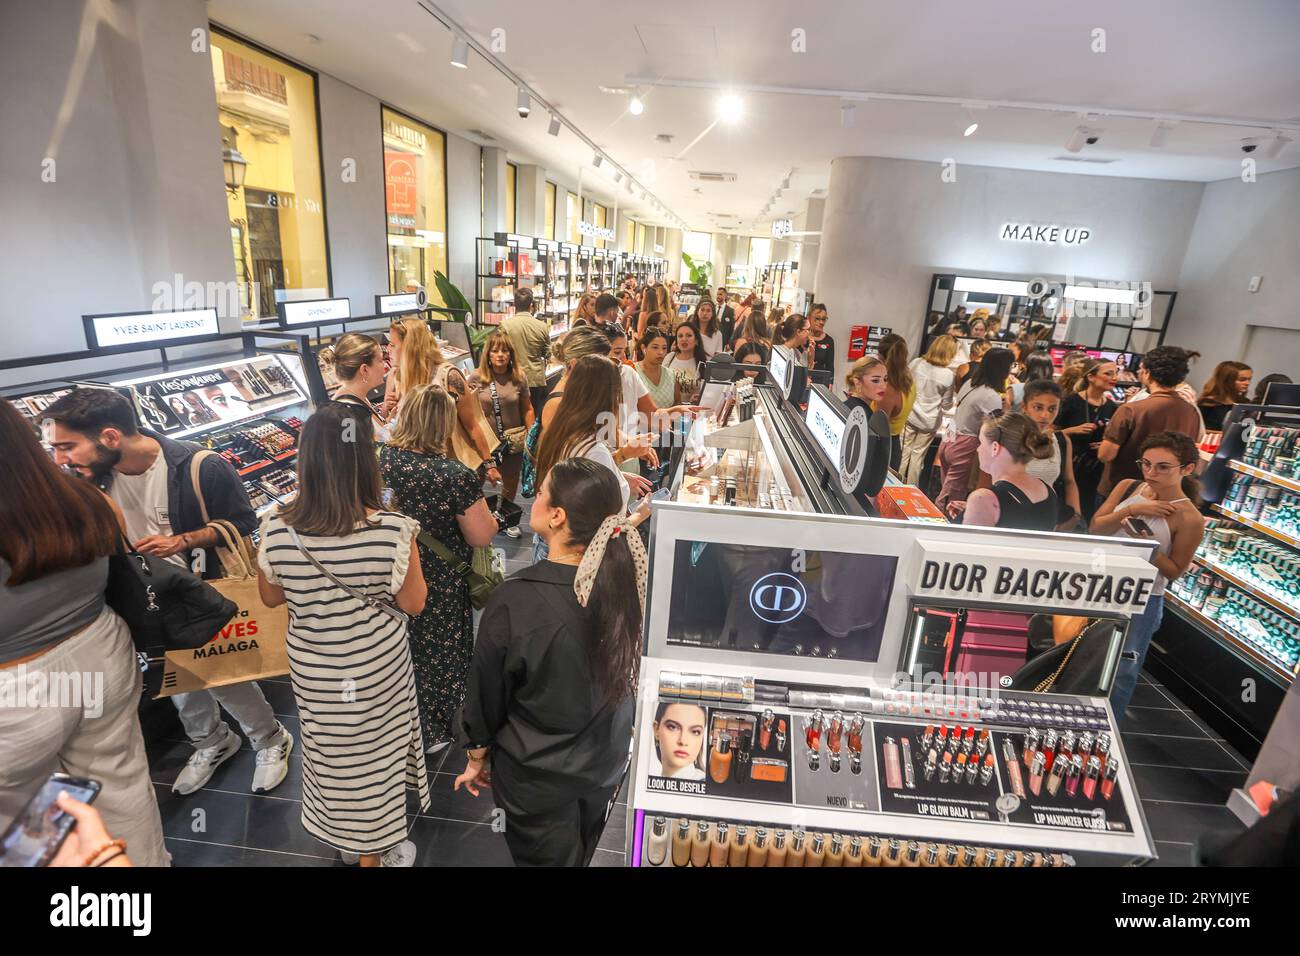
point(1140, 631)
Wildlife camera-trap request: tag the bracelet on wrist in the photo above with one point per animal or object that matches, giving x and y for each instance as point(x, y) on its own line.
point(112, 856)
point(105, 847)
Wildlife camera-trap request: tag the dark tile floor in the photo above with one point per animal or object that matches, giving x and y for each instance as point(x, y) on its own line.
point(1184, 773)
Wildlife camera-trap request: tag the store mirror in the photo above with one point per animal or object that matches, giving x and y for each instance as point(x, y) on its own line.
point(1023, 650)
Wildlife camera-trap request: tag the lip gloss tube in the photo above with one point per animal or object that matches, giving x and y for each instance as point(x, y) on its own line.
point(1048, 749)
point(765, 731)
point(855, 733)
point(893, 772)
point(1036, 773)
point(1057, 775)
point(1084, 745)
point(1013, 769)
point(931, 764)
point(945, 767)
point(780, 736)
point(1102, 749)
point(1072, 774)
point(813, 734)
point(1109, 779)
point(1090, 777)
point(909, 774)
point(835, 733)
point(986, 772)
point(1032, 741)
point(959, 769)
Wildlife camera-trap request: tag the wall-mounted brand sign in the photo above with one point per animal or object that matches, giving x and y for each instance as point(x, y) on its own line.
point(1035, 578)
point(141, 328)
point(1049, 235)
point(400, 302)
point(782, 227)
point(313, 311)
point(777, 598)
point(597, 232)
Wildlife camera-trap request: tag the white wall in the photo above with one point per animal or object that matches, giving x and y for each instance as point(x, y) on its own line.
point(889, 224)
point(1243, 230)
point(128, 114)
point(464, 216)
point(352, 128)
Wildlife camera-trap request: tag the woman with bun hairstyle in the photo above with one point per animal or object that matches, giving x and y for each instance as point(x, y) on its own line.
point(1160, 506)
point(984, 394)
point(552, 689)
point(1228, 385)
point(867, 383)
point(1017, 500)
point(358, 363)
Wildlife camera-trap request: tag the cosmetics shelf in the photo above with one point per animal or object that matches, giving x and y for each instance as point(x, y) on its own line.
point(1231, 638)
point(1278, 600)
point(1290, 484)
point(1262, 528)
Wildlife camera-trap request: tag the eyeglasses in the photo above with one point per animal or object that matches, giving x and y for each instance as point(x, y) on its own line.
point(1159, 467)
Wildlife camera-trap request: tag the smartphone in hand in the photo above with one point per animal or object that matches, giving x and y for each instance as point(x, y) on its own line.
point(34, 837)
point(1138, 528)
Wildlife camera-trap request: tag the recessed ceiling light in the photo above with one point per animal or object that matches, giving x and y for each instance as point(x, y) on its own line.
point(460, 53)
point(636, 106)
point(730, 108)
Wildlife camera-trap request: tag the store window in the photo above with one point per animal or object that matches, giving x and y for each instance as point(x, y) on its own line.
point(512, 180)
point(271, 152)
point(550, 210)
point(415, 204)
point(699, 246)
point(572, 213)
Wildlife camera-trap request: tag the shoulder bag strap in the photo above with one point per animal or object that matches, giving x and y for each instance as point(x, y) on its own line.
point(196, 464)
point(1047, 682)
point(373, 603)
point(235, 557)
point(444, 554)
point(496, 408)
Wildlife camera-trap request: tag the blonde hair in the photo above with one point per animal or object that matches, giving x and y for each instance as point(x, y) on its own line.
point(420, 353)
point(580, 341)
point(941, 351)
point(861, 367)
point(425, 418)
point(979, 348)
point(485, 359)
point(348, 354)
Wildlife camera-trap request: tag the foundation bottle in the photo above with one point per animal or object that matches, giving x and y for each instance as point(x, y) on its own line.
point(951, 855)
point(853, 855)
point(835, 851)
point(720, 761)
point(776, 855)
point(816, 855)
point(871, 855)
point(893, 855)
point(968, 855)
point(682, 843)
point(719, 845)
point(700, 844)
point(758, 851)
point(932, 854)
point(738, 853)
point(912, 855)
point(982, 856)
point(798, 851)
point(657, 848)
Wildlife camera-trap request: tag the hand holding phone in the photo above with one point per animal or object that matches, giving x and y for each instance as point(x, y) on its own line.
point(1138, 528)
point(41, 827)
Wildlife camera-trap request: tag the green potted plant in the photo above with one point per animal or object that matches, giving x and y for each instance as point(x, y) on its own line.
point(702, 274)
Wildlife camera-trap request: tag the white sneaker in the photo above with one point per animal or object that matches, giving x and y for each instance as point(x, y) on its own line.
point(273, 764)
point(402, 855)
point(203, 763)
point(512, 532)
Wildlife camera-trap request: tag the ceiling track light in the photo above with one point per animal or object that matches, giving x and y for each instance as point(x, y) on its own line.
point(460, 53)
point(523, 105)
point(597, 159)
point(848, 115)
point(1279, 142)
point(1159, 135)
point(972, 126)
point(554, 127)
point(1077, 138)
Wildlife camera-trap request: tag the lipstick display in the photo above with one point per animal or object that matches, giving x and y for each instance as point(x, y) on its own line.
point(855, 743)
point(909, 774)
point(1036, 773)
point(893, 770)
point(1090, 777)
point(1013, 769)
point(1108, 778)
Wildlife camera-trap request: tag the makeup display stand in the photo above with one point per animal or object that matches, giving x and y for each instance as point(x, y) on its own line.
point(784, 695)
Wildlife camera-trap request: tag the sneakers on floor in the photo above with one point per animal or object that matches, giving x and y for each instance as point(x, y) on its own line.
point(512, 532)
point(273, 763)
point(401, 855)
point(437, 745)
point(203, 763)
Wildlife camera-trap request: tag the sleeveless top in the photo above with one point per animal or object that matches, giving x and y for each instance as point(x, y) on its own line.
point(1159, 528)
point(1017, 511)
point(663, 393)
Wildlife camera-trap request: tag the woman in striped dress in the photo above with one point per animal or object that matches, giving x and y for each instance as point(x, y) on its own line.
point(349, 656)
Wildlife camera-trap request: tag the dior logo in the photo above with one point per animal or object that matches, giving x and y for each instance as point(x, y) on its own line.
point(777, 598)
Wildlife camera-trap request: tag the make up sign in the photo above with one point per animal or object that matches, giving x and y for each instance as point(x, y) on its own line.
point(126, 329)
point(314, 311)
point(1045, 235)
point(1079, 582)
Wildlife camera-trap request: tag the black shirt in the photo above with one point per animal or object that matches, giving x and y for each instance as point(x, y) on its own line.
point(1015, 510)
point(1214, 415)
point(1076, 410)
point(533, 699)
point(822, 352)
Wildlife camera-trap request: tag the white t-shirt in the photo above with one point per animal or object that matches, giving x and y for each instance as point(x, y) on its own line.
point(633, 391)
point(712, 343)
point(686, 365)
point(599, 452)
point(143, 500)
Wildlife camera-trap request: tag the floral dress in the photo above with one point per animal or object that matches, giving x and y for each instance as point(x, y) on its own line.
point(434, 489)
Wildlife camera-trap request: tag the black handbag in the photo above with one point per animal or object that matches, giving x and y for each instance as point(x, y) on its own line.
point(166, 607)
point(1072, 667)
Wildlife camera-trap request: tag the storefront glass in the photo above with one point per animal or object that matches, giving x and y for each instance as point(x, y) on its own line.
point(267, 112)
point(415, 201)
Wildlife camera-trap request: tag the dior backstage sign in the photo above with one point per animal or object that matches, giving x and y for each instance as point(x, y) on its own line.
point(1049, 235)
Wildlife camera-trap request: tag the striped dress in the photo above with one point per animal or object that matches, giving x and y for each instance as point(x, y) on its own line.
point(352, 680)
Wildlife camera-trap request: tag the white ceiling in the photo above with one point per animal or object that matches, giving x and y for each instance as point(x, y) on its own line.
point(1207, 57)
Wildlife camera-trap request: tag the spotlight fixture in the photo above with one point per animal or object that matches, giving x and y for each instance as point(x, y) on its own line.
point(554, 127)
point(523, 106)
point(1159, 135)
point(848, 114)
point(460, 53)
point(730, 108)
point(618, 177)
point(635, 105)
point(1077, 139)
point(1279, 142)
point(597, 159)
point(785, 183)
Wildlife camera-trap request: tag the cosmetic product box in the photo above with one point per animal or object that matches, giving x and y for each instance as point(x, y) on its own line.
point(908, 503)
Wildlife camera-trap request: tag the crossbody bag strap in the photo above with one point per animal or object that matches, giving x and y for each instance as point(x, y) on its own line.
point(1047, 683)
point(370, 602)
point(444, 554)
point(196, 464)
point(496, 409)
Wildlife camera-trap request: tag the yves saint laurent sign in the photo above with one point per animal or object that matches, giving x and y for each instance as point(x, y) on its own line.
point(1082, 582)
point(141, 328)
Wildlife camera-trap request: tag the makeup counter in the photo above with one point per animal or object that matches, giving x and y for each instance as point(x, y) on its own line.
point(827, 685)
point(1233, 620)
